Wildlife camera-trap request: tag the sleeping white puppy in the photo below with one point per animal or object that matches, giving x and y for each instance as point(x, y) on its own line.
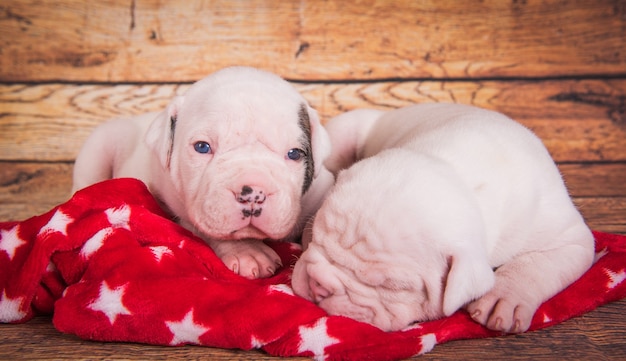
point(441, 195)
point(237, 159)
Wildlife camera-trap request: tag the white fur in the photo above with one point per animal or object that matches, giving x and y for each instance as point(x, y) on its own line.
point(440, 195)
point(250, 119)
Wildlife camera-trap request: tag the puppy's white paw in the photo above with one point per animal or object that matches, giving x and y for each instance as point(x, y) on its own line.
point(502, 310)
point(251, 259)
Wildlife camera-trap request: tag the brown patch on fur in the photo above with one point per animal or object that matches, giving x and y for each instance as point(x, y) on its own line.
point(305, 141)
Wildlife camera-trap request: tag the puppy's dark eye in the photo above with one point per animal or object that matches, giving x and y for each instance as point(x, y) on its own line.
point(295, 154)
point(202, 147)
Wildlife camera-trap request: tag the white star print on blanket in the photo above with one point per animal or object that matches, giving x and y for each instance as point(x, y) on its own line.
point(119, 217)
point(58, 223)
point(160, 251)
point(615, 278)
point(94, 243)
point(316, 339)
point(110, 302)
point(186, 330)
point(10, 308)
point(10, 241)
point(429, 341)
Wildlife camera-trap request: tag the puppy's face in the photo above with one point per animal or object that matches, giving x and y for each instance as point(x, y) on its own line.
point(239, 148)
point(379, 253)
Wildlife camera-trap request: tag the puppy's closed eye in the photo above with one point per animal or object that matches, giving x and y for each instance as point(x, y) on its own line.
point(396, 285)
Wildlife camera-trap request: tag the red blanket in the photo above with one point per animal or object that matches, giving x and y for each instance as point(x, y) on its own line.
point(110, 266)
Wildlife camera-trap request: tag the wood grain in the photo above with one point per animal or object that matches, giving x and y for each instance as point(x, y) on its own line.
point(155, 41)
point(598, 335)
point(28, 189)
point(595, 180)
point(604, 213)
point(578, 120)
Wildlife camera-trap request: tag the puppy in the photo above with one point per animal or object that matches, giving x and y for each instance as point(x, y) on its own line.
point(440, 196)
point(237, 159)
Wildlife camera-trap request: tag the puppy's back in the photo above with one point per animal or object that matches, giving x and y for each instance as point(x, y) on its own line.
point(110, 151)
point(502, 163)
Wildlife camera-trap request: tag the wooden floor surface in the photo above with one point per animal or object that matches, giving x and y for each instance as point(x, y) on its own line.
point(598, 335)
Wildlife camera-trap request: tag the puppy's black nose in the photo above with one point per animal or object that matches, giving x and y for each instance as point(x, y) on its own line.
point(245, 190)
point(249, 195)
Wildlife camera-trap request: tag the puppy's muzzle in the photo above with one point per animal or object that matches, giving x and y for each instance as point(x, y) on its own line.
point(251, 201)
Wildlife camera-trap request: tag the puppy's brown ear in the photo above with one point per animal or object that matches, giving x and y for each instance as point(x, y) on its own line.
point(468, 278)
point(160, 134)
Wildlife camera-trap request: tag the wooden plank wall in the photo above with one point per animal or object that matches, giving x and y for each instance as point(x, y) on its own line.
point(558, 67)
point(69, 65)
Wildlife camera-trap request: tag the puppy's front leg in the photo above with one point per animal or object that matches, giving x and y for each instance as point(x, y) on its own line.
point(524, 283)
point(249, 258)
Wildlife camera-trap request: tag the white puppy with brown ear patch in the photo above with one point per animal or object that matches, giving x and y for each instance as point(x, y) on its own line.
point(441, 195)
point(237, 159)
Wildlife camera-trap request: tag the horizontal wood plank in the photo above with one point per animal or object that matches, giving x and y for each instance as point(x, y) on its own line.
point(595, 180)
point(607, 214)
point(156, 41)
point(29, 189)
point(578, 120)
point(33, 182)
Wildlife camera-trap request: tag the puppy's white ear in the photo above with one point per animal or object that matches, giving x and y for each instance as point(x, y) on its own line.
point(160, 134)
point(320, 141)
point(468, 278)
